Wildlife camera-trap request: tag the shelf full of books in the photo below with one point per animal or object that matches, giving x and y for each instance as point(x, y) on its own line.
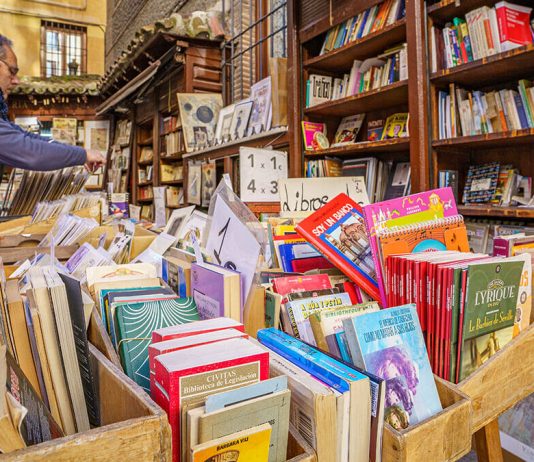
point(483, 105)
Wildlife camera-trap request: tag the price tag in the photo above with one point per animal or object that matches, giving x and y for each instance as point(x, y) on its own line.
point(260, 172)
point(232, 245)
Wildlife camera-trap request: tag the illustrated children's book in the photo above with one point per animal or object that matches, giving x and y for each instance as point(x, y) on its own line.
point(390, 344)
point(338, 231)
point(396, 126)
point(348, 130)
point(437, 204)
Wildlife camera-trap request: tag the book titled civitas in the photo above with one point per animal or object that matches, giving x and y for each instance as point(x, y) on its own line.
point(389, 343)
point(489, 313)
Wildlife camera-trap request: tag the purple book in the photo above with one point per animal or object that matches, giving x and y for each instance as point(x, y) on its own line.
point(216, 291)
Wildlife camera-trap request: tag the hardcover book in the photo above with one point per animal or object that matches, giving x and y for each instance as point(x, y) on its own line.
point(375, 128)
point(194, 328)
point(338, 231)
point(481, 183)
point(348, 129)
point(188, 376)
point(314, 136)
point(389, 343)
point(396, 126)
point(134, 326)
point(489, 313)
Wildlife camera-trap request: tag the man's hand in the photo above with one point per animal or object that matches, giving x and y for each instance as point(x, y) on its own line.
point(94, 160)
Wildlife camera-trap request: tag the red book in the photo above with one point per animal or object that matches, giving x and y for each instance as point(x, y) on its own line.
point(337, 230)
point(514, 25)
point(181, 343)
point(189, 375)
point(301, 265)
point(291, 284)
point(194, 328)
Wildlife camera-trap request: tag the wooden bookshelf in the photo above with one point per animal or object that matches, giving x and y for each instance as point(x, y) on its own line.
point(489, 140)
point(496, 212)
point(509, 65)
point(363, 148)
point(389, 96)
point(341, 58)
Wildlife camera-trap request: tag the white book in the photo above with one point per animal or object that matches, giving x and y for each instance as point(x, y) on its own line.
point(320, 89)
point(494, 26)
point(353, 78)
point(433, 51)
point(403, 63)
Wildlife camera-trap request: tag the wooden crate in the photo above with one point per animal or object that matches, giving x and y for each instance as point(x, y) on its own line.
point(502, 381)
point(297, 449)
point(443, 437)
point(133, 426)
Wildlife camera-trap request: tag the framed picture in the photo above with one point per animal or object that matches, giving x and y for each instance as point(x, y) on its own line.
point(194, 184)
point(199, 114)
point(260, 119)
point(222, 133)
point(209, 182)
point(177, 220)
point(238, 128)
point(194, 224)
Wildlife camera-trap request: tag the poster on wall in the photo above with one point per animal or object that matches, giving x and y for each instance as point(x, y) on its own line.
point(64, 130)
point(96, 137)
point(199, 114)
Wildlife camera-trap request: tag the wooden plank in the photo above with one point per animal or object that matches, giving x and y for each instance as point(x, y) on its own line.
point(97, 335)
point(134, 427)
point(502, 381)
point(446, 436)
point(418, 96)
point(489, 211)
point(489, 140)
point(297, 448)
point(20, 239)
point(13, 254)
point(364, 147)
point(488, 443)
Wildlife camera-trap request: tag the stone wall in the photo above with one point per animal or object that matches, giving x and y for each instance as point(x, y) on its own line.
point(128, 16)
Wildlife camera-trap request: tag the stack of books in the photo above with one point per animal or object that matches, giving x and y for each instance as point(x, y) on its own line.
point(466, 113)
point(372, 73)
point(371, 20)
point(484, 32)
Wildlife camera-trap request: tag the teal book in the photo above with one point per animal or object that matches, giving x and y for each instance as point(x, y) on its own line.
point(134, 324)
point(489, 313)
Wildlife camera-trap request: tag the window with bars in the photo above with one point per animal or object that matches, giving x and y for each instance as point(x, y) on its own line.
point(257, 31)
point(63, 49)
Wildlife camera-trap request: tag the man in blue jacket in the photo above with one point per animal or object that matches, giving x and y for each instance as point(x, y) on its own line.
point(21, 149)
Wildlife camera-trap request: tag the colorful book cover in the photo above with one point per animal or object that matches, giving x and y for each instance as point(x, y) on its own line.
point(300, 310)
point(348, 129)
point(396, 126)
point(389, 343)
point(403, 211)
point(481, 183)
point(290, 284)
point(375, 128)
point(251, 444)
point(338, 231)
point(314, 136)
point(134, 326)
point(490, 310)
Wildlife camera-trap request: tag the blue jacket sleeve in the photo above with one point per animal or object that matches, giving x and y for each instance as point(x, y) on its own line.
point(24, 150)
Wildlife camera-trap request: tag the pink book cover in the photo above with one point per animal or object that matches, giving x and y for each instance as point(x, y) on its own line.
point(405, 211)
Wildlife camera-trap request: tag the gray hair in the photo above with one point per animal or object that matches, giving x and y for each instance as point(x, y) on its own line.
point(4, 42)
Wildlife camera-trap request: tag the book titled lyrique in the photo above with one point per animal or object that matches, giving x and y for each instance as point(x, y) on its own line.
point(338, 231)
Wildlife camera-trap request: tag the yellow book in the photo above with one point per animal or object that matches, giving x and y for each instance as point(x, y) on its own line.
point(251, 444)
point(396, 126)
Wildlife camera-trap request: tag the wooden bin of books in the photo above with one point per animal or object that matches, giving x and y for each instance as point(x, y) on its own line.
point(502, 381)
point(444, 437)
point(133, 427)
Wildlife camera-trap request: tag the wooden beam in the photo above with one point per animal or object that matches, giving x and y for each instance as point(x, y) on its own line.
point(488, 443)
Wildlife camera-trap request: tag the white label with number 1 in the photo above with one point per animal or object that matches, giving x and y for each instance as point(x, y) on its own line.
point(260, 171)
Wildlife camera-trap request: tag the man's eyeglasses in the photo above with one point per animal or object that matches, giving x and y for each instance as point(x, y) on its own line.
point(12, 70)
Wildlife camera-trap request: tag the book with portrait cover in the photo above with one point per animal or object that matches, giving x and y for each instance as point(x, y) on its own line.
point(338, 231)
point(389, 343)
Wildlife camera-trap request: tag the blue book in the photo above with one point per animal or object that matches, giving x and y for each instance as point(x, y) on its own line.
point(389, 343)
point(335, 374)
point(293, 251)
point(362, 25)
point(343, 347)
point(520, 110)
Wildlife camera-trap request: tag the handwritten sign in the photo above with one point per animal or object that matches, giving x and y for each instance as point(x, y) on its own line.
point(260, 173)
point(301, 196)
point(232, 245)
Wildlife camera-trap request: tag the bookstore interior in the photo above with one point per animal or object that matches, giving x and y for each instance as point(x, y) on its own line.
point(310, 239)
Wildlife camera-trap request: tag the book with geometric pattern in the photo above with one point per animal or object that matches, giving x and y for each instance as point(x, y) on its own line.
point(135, 323)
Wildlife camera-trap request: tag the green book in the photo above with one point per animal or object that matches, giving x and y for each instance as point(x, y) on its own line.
point(489, 313)
point(135, 323)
